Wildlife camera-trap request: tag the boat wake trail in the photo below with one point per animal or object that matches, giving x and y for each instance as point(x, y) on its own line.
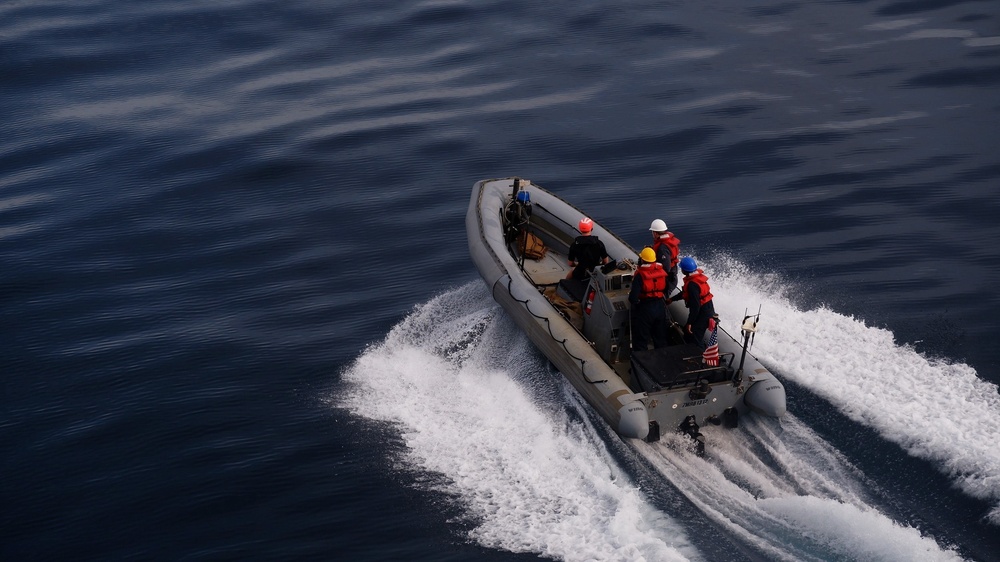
point(934, 409)
point(475, 404)
point(486, 422)
point(788, 493)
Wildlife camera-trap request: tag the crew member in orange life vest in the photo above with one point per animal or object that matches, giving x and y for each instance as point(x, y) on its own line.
point(649, 310)
point(698, 297)
point(667, 248)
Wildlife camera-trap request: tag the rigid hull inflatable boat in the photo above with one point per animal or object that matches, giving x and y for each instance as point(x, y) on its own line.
point(519, 237)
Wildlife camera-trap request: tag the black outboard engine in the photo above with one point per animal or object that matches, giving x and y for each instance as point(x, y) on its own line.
point(690, 427)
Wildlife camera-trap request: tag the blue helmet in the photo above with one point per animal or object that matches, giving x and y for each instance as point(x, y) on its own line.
point(688, 264)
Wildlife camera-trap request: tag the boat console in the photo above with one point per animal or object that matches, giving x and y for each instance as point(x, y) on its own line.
point(606, 312)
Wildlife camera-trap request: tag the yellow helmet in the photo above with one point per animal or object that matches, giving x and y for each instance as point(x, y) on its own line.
point(647, 255)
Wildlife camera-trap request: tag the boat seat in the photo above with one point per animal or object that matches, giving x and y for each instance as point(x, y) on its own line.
point(572, 289)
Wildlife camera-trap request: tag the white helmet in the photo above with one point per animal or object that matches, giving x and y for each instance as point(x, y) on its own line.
point(658, 226)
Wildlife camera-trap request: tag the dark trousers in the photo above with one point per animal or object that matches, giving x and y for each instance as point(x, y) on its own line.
point(581, 272)
point(700, 324)
point(649, 321)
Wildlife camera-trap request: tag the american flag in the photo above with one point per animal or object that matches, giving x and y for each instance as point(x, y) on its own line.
point(711, 354)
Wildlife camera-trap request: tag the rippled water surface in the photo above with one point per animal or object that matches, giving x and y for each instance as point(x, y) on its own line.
point(240, 320)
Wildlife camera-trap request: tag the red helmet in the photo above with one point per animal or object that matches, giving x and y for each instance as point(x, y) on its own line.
point(586, 225)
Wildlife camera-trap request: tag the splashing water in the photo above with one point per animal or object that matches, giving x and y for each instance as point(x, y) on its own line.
point(788, 493)
point(475, 403)
point(933, 409)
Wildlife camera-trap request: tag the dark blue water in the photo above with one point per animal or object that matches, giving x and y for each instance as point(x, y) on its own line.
point(239, 319)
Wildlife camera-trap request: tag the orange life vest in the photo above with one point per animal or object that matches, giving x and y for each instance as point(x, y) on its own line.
point(672, 243)
point(653, 279)
point(699, 278)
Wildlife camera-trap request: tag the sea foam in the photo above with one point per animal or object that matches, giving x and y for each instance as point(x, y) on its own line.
point(474, 403)
point(935, 409)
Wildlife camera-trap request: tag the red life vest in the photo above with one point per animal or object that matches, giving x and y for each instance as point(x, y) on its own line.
point(653, 279)
point(672, 243)
point(698, 278)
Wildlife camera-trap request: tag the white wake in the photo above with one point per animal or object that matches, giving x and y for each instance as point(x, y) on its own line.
point(476, 404)
point(936, 410)
point(789, 493)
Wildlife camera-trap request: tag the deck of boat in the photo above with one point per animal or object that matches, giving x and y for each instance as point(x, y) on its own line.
point(546, 273)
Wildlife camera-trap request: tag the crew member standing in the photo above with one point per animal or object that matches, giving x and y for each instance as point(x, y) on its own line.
point(697, 295)
point(649, 310)
point(667, 248)
point(586, 252)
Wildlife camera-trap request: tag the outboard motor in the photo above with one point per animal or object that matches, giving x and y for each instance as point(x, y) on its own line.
point(690, 428)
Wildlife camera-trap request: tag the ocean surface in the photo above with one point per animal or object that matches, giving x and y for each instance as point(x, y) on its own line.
point(239, 321)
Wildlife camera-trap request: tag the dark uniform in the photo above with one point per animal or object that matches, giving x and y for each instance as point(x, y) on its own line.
point(589, 252)
point(667, 248)
point(698, 297)
point(649, 310)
